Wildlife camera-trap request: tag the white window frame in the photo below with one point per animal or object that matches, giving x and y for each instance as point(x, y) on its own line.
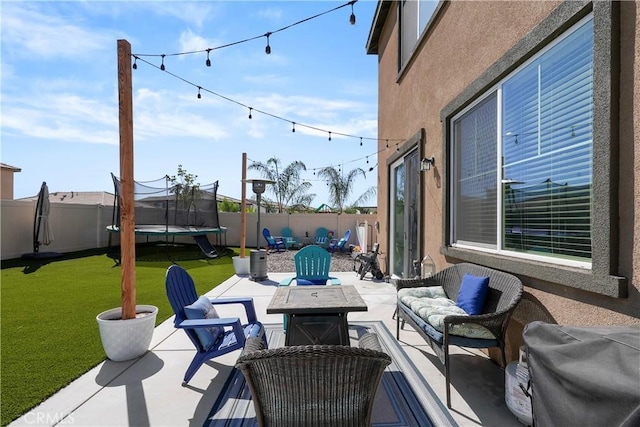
point(497, 88)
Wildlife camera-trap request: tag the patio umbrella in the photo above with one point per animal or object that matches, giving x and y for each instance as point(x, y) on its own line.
point(42, 232)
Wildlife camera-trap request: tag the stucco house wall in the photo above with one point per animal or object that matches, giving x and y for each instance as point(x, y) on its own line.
point(463, 46)
point(6, 181)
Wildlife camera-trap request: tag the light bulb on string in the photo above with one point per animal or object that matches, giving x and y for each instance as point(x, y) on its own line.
point(250, 112)
point(199, 96)
point(360, 141)
point(267, 49)
point(208, 63)
point(135, 66)
point(329, 136)
point(397, 148)
point(367, 159)
point(162, 64)
point(293, 126)
point(352, 18)
point(387, 147)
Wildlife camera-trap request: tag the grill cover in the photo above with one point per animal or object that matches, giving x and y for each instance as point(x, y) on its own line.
point(584, 376)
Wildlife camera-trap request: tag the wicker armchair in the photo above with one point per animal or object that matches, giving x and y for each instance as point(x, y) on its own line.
point(314, 385)
point(505, 291)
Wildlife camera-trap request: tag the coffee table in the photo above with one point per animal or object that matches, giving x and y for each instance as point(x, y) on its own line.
point(316, 314)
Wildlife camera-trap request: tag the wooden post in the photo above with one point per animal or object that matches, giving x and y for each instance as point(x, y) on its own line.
point(127, 211)
point(243, 206)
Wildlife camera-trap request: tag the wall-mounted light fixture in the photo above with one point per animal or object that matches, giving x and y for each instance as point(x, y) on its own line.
point(427, 163)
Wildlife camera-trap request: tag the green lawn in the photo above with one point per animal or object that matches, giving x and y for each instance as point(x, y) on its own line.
point(49, 333)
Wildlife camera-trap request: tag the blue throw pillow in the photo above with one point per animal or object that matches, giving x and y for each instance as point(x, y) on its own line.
point(203, 309)
point(473, 291)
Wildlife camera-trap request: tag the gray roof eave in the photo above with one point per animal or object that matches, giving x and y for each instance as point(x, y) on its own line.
point(379, 18)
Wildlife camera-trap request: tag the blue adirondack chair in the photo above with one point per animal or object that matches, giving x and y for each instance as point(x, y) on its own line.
point(322, 237)
point(312, 267)
point(289, 240)
point(206, 331)
point(272, 242)
point(341, 244)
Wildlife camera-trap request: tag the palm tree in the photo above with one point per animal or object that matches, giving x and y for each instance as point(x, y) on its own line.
point(289, 189)
point(341, 186)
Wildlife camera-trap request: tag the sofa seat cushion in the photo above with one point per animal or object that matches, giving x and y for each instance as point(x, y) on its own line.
point(432, 306)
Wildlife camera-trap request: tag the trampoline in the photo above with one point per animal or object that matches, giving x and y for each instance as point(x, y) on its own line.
point(168, 209)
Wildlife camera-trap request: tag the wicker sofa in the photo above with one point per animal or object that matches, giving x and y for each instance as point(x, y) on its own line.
point(484, 330)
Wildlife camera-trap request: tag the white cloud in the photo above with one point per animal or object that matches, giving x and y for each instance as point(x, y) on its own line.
point(65, 117)
point(190, 42)
point(193, 13)
point(271, 13)
point(164, 114)
point(28, 32)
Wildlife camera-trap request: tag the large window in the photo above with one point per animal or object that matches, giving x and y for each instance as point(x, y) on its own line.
point(414, 17)
point(522, 158)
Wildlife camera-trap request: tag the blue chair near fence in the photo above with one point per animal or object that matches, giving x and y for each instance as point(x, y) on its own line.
point(289, 240)
point(340, 245)
point(272, 242)
point(322, 237)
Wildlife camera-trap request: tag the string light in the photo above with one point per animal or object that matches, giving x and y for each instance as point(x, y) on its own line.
point(162, 64)
point(339, 166)
point(360, 141)
point(267, 49)
point(135, 65)
point(293, 128)
point(199, 96)
point(251, 109)
point(352, 18)
point(208, 63)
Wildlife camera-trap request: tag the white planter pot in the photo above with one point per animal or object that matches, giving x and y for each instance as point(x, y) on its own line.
point(126, 339)
point(241, 265)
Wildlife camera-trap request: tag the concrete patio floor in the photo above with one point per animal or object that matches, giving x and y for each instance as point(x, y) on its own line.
point(148, 391)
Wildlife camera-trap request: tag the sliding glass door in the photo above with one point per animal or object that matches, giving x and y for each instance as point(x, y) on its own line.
point(404, 215)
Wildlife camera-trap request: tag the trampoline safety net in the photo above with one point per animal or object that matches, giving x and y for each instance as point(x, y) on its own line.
point(164, 203)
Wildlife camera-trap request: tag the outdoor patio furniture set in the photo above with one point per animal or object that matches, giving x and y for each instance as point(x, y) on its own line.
point(317, 341)
point(323, 238)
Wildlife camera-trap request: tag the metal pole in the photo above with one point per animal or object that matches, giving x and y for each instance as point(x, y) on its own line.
point(258, 225)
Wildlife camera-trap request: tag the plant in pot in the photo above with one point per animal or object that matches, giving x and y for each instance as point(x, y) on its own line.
point(126, 331)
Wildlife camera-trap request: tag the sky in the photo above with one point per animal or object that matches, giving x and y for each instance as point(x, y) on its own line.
point(59, 91)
